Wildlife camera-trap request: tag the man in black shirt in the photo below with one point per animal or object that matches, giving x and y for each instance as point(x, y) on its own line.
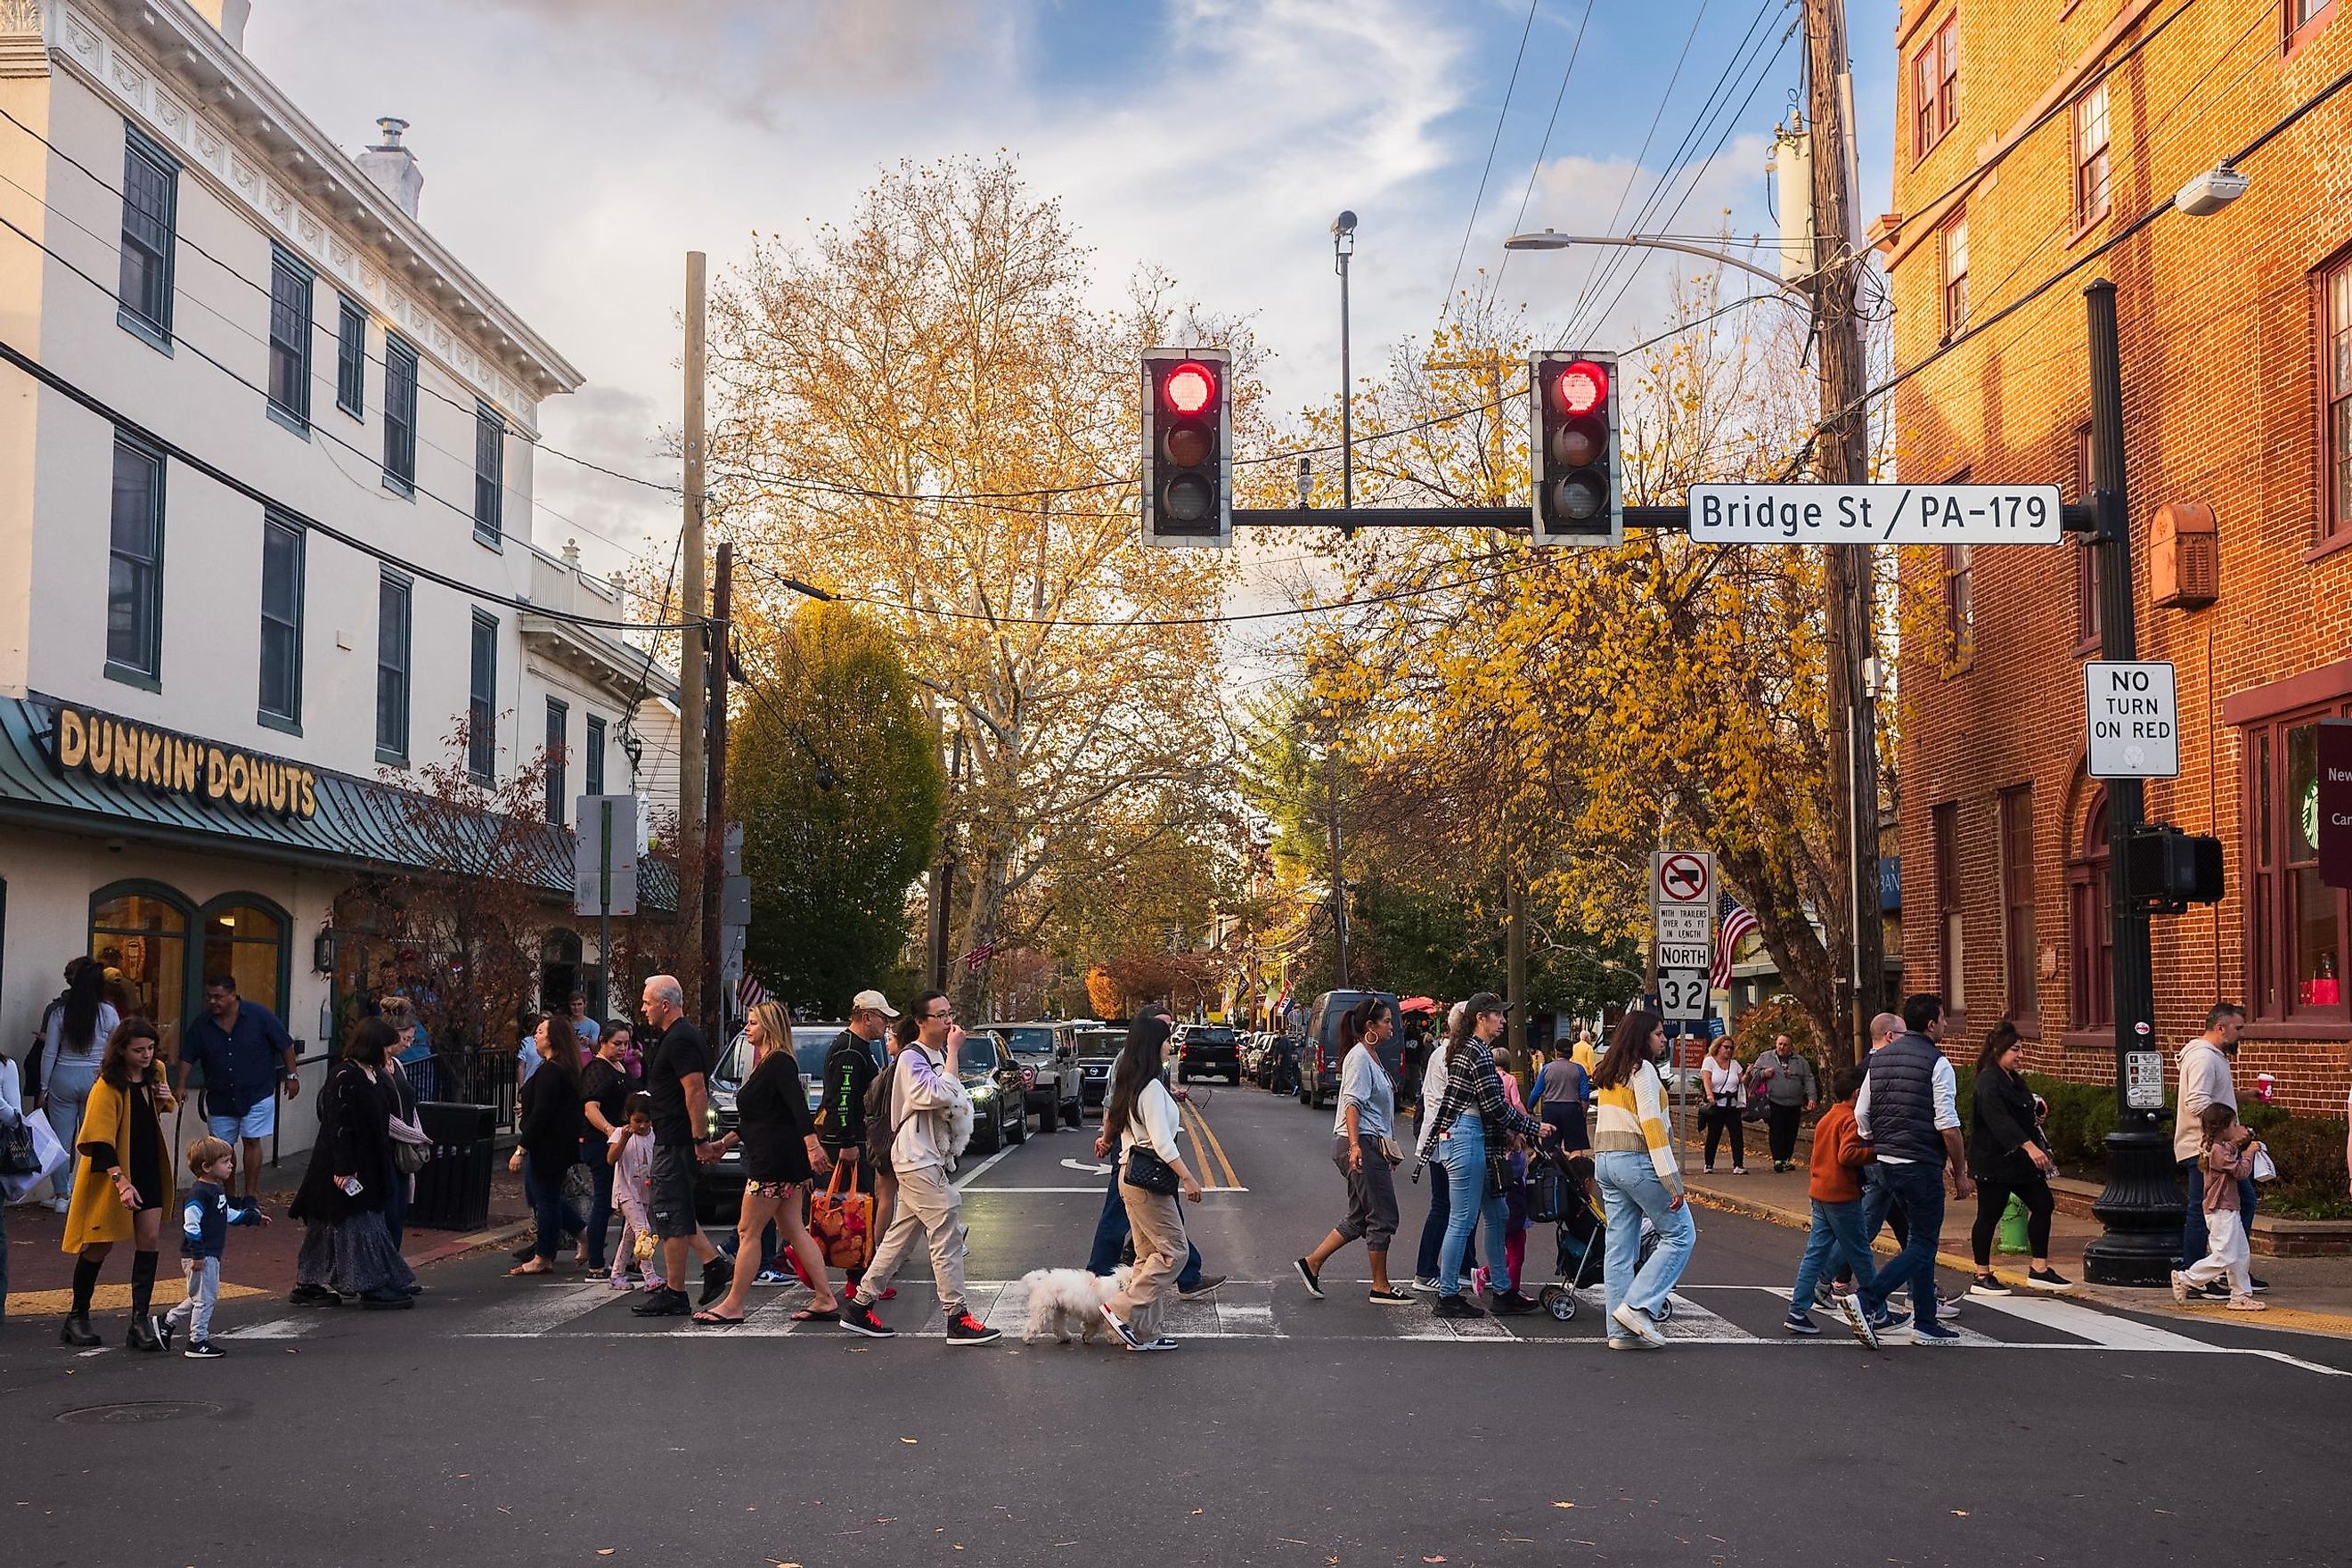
point(850, 1069)
point(677, 1078)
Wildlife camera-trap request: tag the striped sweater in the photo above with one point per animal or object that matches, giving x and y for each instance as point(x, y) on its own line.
point(1633, 1120)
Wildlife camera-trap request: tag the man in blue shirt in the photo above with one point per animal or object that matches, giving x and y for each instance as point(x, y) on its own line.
point(246, 1055)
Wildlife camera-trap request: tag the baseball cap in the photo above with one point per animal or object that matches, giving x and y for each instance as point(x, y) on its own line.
point(872, 1002)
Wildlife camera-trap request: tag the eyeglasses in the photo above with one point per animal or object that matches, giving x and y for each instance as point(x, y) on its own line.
point(937, 1017)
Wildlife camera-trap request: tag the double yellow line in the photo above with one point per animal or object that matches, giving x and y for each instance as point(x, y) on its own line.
point(1206, 1140)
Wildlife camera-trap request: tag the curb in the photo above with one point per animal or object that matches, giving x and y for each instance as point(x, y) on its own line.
point(505, 1235)
point(2155, 1303)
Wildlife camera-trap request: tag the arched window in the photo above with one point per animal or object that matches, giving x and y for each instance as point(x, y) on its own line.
point(244, 935)
point(138, 930)
point(2092, 1002)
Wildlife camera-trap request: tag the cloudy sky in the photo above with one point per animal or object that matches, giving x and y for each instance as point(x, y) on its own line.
point(573, 150)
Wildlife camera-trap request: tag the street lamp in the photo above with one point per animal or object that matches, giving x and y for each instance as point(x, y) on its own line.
point(1552, 239)
point(1343, 246)
point(2211, 191)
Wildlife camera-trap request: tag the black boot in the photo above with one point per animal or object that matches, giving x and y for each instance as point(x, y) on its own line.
point(76, 1331)
point(142, 1335)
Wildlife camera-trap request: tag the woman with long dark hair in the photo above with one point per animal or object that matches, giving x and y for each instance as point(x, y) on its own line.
point(1365, 1152)
point(125, 1181)
point(548, 1119)
point(782, 1154)
point(74, 1035)
point(2008, 1152)
point(1140, 1117)
point(1473, 1123)
point(346, 1251)
point(1633, 1157)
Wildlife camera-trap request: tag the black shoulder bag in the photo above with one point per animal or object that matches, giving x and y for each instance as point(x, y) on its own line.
point(1144, 1168)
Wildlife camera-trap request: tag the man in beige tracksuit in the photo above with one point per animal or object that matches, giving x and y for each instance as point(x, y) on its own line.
point(925, 1094)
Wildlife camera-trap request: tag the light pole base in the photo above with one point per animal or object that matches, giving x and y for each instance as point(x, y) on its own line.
point(2140, 1207)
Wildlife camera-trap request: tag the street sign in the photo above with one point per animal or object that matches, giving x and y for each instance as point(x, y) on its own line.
point(2144, 1079)
point(2129, 712)
point(1874, 514)
point(605, 856)
point(1682, 920)
point(2332, 801)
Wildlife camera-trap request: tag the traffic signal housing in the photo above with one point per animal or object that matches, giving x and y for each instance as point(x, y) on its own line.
point(1188, 465)
point(2170, 870)
point(1574, 434)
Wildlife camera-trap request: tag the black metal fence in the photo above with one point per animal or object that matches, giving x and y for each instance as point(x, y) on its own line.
point(472, 1077)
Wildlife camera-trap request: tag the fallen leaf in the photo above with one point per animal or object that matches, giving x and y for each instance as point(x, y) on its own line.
point(1959, 1513)
point(1432, 1560)
point(1196, 1513)
point(1563, 1505)
point(909, 1441)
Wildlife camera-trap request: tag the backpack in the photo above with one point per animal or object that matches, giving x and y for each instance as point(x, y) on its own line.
point(881, 1128)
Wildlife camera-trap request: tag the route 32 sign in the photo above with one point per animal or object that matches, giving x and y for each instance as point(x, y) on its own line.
point(1682, 917)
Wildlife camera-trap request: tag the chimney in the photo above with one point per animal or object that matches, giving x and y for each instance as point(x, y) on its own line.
point(228, 17)
point(393, 166)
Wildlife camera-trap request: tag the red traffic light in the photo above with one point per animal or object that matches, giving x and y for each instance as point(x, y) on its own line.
point(1580, 388)
point(1189, 389)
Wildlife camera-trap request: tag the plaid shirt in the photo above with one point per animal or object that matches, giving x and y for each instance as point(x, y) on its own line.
point(1472, 1084)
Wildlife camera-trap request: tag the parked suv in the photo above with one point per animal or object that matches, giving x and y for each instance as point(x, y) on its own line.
point(1318, 1059)
point(1207, 1050)
point(1049, 1049)
point(1097, 1045)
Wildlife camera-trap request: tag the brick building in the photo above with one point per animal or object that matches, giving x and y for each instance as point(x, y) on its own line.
point(2031, 132)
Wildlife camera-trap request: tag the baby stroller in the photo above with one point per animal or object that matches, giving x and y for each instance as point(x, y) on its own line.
point(1561, 1193)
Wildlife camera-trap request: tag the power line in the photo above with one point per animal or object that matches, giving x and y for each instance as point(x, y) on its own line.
point(265, 290)
point(1501, 115)
point(120, 421)
point(1635, 173)
point(1543, 147)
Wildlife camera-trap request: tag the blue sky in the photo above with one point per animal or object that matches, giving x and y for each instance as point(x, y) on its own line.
point(574, 149)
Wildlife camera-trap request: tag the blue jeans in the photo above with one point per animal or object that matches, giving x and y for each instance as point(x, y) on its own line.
point(1467, 1202)
point(1919, 1186)
point(1111, 1231)
point(1433, 1229)
point(1836, 1230)
point(548, 1208)
point(600, 1210)
point(67, 1085)
point(2194, 1242)
point(3, 1263)
point(1630, 1192)
point(395, 1203)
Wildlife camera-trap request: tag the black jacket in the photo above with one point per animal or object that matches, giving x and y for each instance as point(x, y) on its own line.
point(849, 1072)
point(2000, 1124)
point(354, 1139)
point(548, 1121)
point(772, 1118)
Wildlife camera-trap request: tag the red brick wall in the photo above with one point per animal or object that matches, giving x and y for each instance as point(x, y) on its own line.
point(2219, 392)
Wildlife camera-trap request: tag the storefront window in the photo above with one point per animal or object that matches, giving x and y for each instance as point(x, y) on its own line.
point(141, 938)
point(248, 940)
point(2295, 921)
point(2318, 960)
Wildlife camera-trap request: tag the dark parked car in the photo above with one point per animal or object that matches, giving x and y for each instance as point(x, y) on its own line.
point(1318, 1059)
point(1049, 1050)
point(1097, 1048)
point(999, 1087)
point(718, 1186)
point(1209, 1050)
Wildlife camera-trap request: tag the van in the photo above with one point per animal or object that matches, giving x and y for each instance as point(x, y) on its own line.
point(1318, 1059)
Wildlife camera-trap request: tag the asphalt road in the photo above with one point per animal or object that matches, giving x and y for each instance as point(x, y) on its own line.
point(505, 1422)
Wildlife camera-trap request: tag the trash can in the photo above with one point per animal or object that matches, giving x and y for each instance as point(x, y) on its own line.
point(2012, 1226)
point(453, 1190)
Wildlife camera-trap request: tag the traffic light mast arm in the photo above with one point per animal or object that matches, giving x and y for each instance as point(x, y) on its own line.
point(2077, 518)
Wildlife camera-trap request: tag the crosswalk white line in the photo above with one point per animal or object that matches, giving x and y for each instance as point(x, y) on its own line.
point(2099, 1327)
point(546, 1307)
point(290, 1328)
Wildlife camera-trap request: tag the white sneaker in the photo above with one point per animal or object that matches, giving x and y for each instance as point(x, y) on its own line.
point(1947, 1308)
point(61, 1205)
point(1639, 1325)
point(2180, 1287)
point(1424, 1284)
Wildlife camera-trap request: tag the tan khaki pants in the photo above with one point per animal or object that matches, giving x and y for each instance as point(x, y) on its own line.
point(926, 1202)
point(1157, 1225)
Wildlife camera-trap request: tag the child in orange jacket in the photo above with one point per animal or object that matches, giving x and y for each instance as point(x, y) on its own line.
point(1836, 1188)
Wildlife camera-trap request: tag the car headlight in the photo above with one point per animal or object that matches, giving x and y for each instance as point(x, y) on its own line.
point(983, 1091)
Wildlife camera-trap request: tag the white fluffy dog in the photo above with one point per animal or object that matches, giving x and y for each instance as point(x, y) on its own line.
point(1061, 1296)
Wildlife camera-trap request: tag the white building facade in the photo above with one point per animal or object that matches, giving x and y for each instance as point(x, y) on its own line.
point(266, 527)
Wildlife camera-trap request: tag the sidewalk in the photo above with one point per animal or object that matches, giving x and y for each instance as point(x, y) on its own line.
point(2308, 1295)
point(260, 1259)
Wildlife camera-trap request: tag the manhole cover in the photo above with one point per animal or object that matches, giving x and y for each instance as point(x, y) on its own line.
point(141, 1412)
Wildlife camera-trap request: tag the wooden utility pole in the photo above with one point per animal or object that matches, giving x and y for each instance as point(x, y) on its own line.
point(1843, 451)
point(722, 605)
point(693, 833)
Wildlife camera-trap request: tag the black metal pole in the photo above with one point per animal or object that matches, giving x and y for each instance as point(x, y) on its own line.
point(2140, 1206)
point(1347, 393)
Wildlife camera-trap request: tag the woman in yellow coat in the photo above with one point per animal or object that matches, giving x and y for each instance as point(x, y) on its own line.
point(122, 1182)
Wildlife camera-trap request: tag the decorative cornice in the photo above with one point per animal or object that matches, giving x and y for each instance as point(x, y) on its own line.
point(286, 189)
point(24, 47)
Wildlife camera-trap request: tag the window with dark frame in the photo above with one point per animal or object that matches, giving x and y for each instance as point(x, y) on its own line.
point(1960, 605)
point(481, 701)
point(2019, 951)
point(489, 474)
point(1935, 87)
point(399, 415)
point(281, 621)
point(1951, 952)
point(2086, 554)
point(150, 195)
point(395, 601)
point(592, 757)
point(134, 566)
point(2091, 980)
point(2295, 922)
point(2091, 182)
point(1952, 265)
point(351, 358)
point(2335, 396)
point(289, 340)
point(559, 725)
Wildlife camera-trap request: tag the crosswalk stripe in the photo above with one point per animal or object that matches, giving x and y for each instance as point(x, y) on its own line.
point(292, 1328)
point(545, 1308)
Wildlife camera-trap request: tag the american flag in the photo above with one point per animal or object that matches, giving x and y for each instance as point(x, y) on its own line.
point(1734, 922)
point(749, 992)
